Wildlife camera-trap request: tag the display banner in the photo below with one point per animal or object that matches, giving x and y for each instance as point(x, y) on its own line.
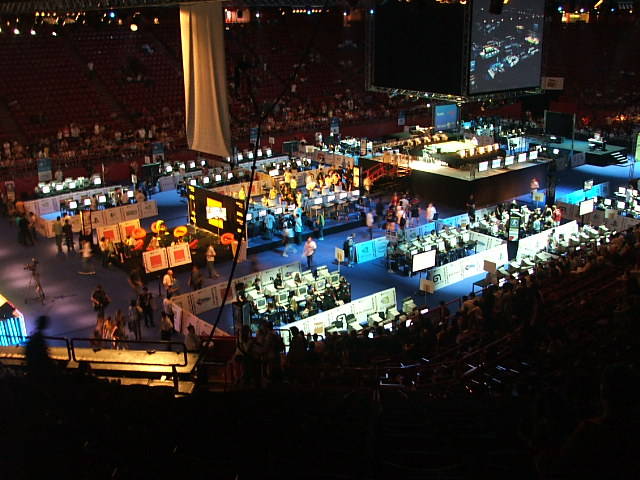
point(110, 232)
point(533, 244)
point(455, 221)
point(112, 215)
point(147, 209)
point(466, 267)
point(155, 260)
point(179, 254)
point(127, 228)
point(130, 212)
point(203, 300)
point(577, 196)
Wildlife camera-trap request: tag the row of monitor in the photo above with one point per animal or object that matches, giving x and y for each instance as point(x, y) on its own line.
point(70, 184)
point(102, 199)
point(168, 168)
point(508, 160)
point(240, 156)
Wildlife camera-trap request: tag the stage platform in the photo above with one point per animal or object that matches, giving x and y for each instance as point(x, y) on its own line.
point(453, 186)
point(611, 155)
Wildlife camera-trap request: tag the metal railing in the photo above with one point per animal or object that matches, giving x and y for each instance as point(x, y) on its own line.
point(150, 347)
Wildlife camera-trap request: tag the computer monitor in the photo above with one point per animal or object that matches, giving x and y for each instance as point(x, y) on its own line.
point(508, 160)
point(291, 208)
point(203, 163)
point(622, 190)
point(423, 261)
point(206, 180)
point(239, 157)
point(86, 202)
point(102, 199)
point(317, 201)
point(218, 178)
point(355, 193)
point(73, 205)
point(343, 195)
point(586, 207)
point(278, 210)
point(522, 157)
point(229, 175)
point(533, 155)
point(620, 205)
point(46, 189)
point(59, 187)
point(259, 152)
point(261, 303)
point(331, 198)
point(283, 297)
point(97, 181)
point(263, 213)
point(72, 185)
point(250, 155)
point(302, 290)
point(483, 166)
point(181, 166)
point(268, 152)
point(193, 182)
point(249, 217)
point(496, 162)
point(335, 278)
point(320, 284)
point(192, 164)
point(607, 202)
point(129, 193)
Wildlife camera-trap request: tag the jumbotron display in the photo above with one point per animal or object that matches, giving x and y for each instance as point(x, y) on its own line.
point(215, 212)
point(506, 48)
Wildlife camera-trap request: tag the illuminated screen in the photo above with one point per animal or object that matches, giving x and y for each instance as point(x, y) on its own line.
point(46, 189)
point(506, 49)
point(278, 210)
point(130, 193)
point(262, 213)
point(423, 260)
point(607, 202)
point(73, 205)
point(87, 202)
point(586, 207)
point(445, 117)
point(483, 166)
point(621, 205)
point(215, 212)
point(495, 163)
point(522, 157)
point(508, 160)
point(102, 199)
point(533, 155)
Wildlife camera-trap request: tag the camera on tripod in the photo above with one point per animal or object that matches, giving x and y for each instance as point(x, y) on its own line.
point(31, 266)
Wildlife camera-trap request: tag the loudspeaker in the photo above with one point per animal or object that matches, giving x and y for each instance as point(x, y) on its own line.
point(495, 6)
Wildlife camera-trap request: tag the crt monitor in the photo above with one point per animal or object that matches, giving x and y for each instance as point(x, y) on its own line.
point(302, 290)
point(278, 210)
point(46, 189)
point(262, 213)
point(261, 303)
point(622, 190)
point(102, 199)
point(495, 163)
point(483, 166)
point(621, 205)
point(317, 201)
point(86, 202)
point(423, 261)
point(249, 217)
point(218, 178)
point(192, 164)
point(335, 278)
point(59, 187)
point(533, 155)
point(73, 205)
point(522, 157)
point(129, 193)
point(282, 297)
point(607, 202)
point(320, 284)
point(586, 207)
point(206, 180)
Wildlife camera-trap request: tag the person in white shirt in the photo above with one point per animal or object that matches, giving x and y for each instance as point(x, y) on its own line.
point(431, 212)
point(370, 223)
point(309, 249)
point(211, 259)
point(169, 283)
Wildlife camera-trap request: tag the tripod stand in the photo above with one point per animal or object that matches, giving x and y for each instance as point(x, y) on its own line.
point(34, 282)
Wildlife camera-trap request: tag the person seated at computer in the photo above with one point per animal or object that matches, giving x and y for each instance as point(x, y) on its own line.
point(277, 282)
point(257, 284)
point(297, 278)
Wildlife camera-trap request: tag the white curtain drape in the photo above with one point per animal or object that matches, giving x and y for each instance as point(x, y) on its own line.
point(205, 79)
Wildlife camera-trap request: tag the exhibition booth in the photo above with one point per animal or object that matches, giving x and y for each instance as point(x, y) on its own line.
point(13, 330)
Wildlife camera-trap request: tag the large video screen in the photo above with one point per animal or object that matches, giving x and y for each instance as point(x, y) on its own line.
point(215, 212)
point(506, 48)
point(418, 46)
point(445, 117)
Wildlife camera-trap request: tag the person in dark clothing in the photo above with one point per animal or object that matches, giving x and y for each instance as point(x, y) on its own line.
point(68, 236)
point(145, 302)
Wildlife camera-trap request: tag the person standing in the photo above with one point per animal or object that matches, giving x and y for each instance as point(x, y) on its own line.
point(195, 280)
point(471, 208)
point(370, 223)
point(431, 212)
point(298, 228)
point(145, 302)
point(309, 249)
point(68, 236)
point(57, 231)
point(100, 300)
point(166, 328)
point(321, 222)
point(269, 222)
point(86, 259)
point(211, 260)
point(32, 226)
point(348, 247)
point(169, 283)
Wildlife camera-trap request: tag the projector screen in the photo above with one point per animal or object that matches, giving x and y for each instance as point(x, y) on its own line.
point(506, 48)
point(424, 260)
point(445, 117)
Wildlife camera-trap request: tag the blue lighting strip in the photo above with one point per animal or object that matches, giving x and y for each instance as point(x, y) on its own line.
point(12, 331)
